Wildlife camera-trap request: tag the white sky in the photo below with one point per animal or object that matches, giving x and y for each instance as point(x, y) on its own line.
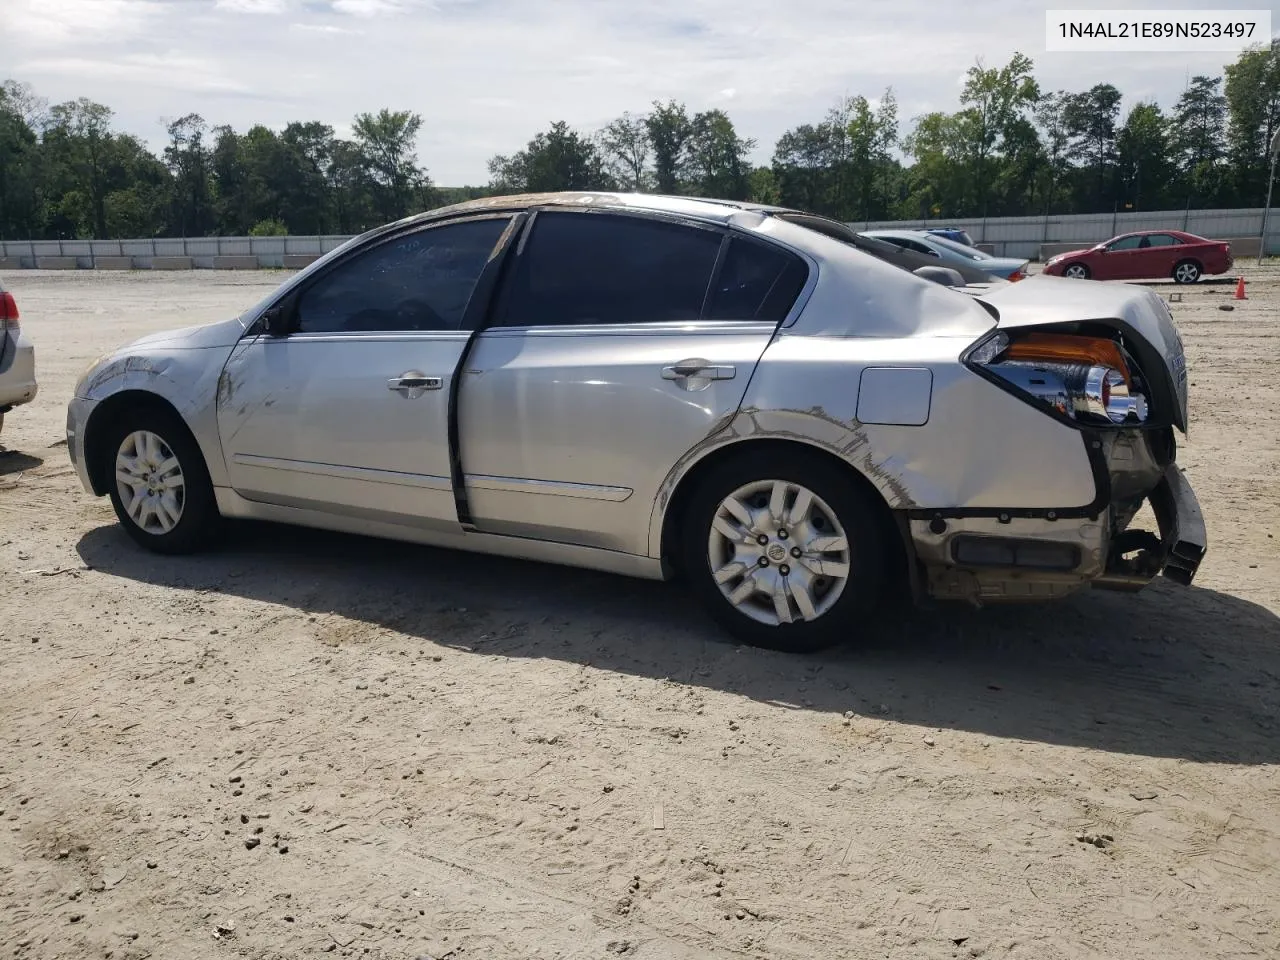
point(486, 75)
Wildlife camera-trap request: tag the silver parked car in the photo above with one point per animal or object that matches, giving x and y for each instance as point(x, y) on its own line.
point(950, 253)
point(17, 359)
point(658, 385)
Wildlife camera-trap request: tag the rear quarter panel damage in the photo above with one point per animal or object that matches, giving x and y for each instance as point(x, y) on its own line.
point(980, 447)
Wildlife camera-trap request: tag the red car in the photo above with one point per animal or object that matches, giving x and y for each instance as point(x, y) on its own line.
point(1146, 255)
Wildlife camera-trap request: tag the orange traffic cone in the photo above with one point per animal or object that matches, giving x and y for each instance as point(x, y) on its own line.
point(1240, 290)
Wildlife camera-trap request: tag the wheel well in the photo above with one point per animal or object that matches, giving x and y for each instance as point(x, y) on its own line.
point(100, 421)
point(895, 535)
point(1195, 260)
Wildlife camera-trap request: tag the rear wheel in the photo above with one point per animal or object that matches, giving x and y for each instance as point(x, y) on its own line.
point(1076, 271)
point(1186, 271)
point(158, 482)
point(784, 554)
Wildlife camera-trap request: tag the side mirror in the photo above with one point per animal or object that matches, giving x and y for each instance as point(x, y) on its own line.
point(943, 275)
point(276, 322)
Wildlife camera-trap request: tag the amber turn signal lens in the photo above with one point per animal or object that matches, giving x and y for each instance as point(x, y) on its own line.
point(1065, 348)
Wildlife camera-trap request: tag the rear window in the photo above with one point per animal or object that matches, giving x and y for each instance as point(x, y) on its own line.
point(757, 282)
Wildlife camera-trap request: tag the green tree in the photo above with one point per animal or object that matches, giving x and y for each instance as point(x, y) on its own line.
point(79, 136)
point(717, 164)
point(187, 158)
point(557, 159)
point(1253, 106)
point(993, 100)
point(1198, 136)
point(624, 146)
point(1091, 118)
point(670, 130)
point(386, 144)
point(20, 195)
point(1142, 151)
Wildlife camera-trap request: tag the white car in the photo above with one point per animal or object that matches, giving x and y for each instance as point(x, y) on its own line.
point(17, 359)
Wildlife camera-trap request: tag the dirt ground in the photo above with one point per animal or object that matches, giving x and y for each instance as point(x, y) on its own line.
point(309, 743)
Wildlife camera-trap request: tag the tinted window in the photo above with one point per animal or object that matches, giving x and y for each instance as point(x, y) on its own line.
point(757, 282)
point(1126, 243)
point(421, 281)
point(601, 268)
point(1163, 240)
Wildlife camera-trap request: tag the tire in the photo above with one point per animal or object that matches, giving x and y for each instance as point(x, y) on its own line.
point(824, 610)
point(177, 512)
point(1076, 271)
point(1186, 271)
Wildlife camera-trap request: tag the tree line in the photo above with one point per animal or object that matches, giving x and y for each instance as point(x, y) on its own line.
point(1011, 149)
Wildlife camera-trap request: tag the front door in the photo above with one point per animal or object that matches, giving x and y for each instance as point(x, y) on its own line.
point(349, 413)
point(1121, 261)
point(611, 353)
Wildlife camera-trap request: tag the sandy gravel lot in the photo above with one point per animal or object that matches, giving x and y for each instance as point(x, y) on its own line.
point(307, 743)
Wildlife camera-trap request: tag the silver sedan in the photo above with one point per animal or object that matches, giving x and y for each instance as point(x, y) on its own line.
point(735, 394)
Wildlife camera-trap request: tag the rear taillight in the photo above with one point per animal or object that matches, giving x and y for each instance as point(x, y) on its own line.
point(1016, 276)
point(8, 311)
point(1085, 378)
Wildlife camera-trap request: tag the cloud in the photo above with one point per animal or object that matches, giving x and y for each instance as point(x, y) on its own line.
point(486, 75)
point(58, 22)
point(370, 8)
point(253, 6)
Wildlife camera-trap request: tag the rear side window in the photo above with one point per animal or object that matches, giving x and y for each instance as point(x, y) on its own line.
point(593, 268)
point(757, 282)
point(1163, 240)
point(421, 281)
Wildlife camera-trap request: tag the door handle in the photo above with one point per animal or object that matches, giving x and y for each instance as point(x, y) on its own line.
point(699, 369)
point(413, 384)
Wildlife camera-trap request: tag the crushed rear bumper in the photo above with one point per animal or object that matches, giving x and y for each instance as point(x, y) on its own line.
point(1182, 532)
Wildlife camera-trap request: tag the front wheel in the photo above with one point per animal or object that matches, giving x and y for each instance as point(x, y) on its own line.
point(1187, 271)
point(1077, 271)
point(784, 553)
point(158, 482)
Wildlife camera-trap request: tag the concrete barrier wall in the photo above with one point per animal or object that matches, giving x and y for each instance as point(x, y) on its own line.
point(296, 261)
point(235, 262)
point(10, 263)
point(171, 263)
point(57, 263)
point(113, 263)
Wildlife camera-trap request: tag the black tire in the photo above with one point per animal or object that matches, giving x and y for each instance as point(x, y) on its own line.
point(868, 556)
point(1187, 271)
point(198, 521)
point(1082, 272)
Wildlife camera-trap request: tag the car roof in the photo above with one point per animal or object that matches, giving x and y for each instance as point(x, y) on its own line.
point(717, 211)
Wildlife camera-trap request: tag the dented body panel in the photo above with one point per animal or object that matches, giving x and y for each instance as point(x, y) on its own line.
point(575, 444)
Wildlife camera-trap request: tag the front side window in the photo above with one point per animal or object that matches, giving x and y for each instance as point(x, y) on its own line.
point(420, 281)
point(596, 268)
point(1125, 243)
point(757, 282)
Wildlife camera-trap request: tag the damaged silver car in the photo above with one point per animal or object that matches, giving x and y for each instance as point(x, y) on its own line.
point(743, 396)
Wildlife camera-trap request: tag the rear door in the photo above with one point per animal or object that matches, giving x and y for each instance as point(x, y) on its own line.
point(350, 413)
point(617, 343)
point(1163, 252)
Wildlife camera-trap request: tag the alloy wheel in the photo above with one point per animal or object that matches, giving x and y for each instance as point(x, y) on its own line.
point(150, 482)
point(1186, 273)
point(1075, 272)
point(778, 553)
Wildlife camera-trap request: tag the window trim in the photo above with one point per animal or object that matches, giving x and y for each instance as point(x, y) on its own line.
point(288, 300)
point(727, 231)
